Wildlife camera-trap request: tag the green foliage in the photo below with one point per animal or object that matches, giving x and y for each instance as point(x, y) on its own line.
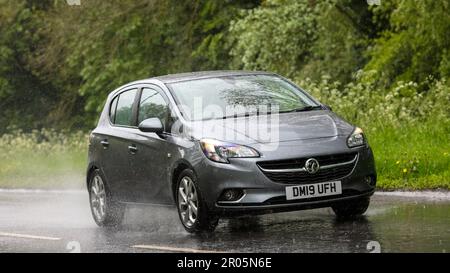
point(115, 42)
point(416, 45)
point(343, 34)
point(212, 30)
point(404, 104)
point(111, 43)
point(400, 40)
point(304, 38)
point(276, 36)
point(19, 88)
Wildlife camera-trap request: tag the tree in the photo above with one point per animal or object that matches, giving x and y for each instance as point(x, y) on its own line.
point(416, 45)
point(277, 36)
point(25, 101)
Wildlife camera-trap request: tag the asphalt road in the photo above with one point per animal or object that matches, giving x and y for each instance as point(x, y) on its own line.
point(61, 222)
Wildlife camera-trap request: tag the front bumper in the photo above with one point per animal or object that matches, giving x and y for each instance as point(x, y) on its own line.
point(263, 195)
point(246, 209)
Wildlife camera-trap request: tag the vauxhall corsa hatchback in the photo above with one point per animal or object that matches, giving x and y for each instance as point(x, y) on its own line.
point(222, 144)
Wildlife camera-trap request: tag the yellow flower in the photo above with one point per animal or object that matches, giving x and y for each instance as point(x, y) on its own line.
point(405, 170)
point(398, 162)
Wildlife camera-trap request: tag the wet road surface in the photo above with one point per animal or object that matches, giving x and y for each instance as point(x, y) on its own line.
point(61, 222)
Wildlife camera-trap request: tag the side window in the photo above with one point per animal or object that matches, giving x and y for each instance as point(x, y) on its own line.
point(152, 105)
point(124, 110)
point(112, 110)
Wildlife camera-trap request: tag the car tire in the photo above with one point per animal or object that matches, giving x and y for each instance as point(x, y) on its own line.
point(105, 211)
point(192, 210)
point(351, 208)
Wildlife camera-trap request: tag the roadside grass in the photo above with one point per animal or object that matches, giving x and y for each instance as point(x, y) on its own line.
point(407, 158)
point(43, 159)
point(412, 157)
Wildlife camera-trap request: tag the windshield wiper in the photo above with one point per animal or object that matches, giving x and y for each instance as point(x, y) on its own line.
point(246, 114)
point(257, 113)
point(304, 109)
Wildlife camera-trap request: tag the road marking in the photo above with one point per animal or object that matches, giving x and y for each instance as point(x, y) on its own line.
point(27, 236)
point(175, 249)
point(41, 191)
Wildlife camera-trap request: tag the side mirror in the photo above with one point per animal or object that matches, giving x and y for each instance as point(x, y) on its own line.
point(151, 125)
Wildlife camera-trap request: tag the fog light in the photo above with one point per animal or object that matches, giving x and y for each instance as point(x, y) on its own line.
point(370, 180)
point(231, 195)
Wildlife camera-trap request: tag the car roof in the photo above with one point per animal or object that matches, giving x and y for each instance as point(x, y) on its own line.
point(171, 78)
point(180, 77)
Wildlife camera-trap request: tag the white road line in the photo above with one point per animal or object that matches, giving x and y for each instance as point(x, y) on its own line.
point(175, 249)
point(38, 191)
point(27, 236)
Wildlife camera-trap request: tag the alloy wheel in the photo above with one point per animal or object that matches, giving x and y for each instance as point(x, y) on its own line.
point(98, 198)
point(188, 201)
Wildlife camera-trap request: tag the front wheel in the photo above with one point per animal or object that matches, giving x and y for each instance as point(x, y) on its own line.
point(192, 209)
point(105, 211)
point(351, 208)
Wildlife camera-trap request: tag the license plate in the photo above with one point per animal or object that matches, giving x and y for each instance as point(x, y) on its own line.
point(313, 190)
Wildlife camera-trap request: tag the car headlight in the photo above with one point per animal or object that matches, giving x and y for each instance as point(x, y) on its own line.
point(219, 151)
point(357, 138)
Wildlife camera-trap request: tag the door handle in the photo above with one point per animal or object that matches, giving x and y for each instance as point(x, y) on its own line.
point(105, 143)
point(133, 149)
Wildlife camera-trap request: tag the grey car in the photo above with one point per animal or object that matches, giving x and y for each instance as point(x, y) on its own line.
point(223, 144)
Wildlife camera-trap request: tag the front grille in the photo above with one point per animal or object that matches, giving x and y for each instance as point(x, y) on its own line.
point(270, 168)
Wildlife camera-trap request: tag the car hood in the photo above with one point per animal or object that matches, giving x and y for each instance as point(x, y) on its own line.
point(272, 128)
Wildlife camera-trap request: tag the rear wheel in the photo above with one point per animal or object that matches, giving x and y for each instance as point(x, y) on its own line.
point(351, 208)
point(192, 209)
point(105, 211)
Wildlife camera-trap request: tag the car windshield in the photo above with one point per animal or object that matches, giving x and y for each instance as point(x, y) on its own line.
point(230, 96)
